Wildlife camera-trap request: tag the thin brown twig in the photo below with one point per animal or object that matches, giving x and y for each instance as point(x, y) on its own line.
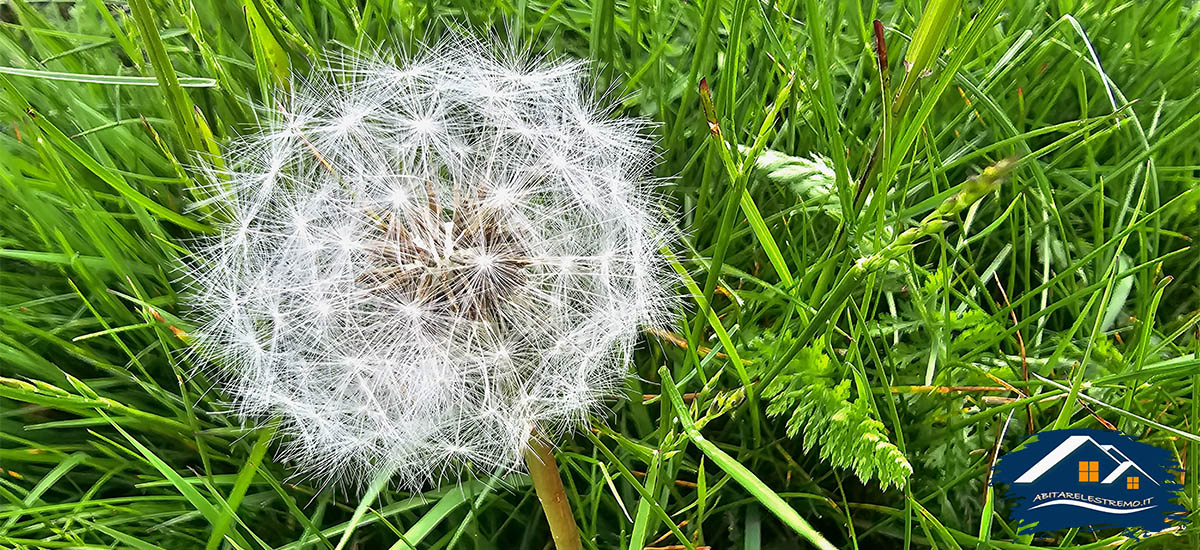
point(680, 342)
point(668, 533)
point(687, 397)
point(1012, 312)
point(950, 389)
point(678, 482)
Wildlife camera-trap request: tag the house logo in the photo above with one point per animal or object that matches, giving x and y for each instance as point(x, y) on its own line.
point(1080, 478)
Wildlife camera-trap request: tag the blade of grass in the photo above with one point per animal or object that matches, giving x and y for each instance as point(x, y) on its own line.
point(738, 472)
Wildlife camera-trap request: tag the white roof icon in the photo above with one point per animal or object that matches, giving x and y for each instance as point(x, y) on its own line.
point(1070, 445)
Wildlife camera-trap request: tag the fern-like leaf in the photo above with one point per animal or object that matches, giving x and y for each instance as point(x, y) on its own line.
point(844, 432)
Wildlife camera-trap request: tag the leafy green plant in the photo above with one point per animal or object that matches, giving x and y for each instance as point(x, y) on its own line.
point(845, 433)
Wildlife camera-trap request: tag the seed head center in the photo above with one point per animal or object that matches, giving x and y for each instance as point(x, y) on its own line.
point(458, 261)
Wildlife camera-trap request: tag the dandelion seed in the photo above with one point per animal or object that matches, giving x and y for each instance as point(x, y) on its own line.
point(424, 263)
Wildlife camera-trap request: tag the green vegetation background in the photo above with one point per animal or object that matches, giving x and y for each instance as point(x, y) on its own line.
point(851, 386)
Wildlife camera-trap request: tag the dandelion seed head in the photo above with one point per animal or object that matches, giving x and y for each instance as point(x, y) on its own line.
point(424, 262)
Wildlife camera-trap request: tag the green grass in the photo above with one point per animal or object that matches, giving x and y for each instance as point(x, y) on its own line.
point(1069, 296)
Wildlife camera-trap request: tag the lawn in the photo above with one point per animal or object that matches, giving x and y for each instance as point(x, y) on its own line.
point(912, 235)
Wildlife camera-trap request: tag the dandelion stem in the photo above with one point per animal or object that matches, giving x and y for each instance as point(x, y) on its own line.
point(543, 470)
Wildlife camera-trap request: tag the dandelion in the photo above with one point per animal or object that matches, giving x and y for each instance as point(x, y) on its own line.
point(425, 265)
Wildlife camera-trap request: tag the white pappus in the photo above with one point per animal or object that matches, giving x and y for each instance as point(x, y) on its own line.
point(424, 263)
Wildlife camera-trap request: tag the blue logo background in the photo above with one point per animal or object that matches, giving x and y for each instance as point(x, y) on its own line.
point(1080, 478)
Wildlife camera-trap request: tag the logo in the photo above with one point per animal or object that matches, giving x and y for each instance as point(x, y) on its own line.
point(1079, 478)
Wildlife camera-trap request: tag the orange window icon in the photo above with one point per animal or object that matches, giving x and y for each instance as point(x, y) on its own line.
point(1132, 482)
point(1089, 471)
